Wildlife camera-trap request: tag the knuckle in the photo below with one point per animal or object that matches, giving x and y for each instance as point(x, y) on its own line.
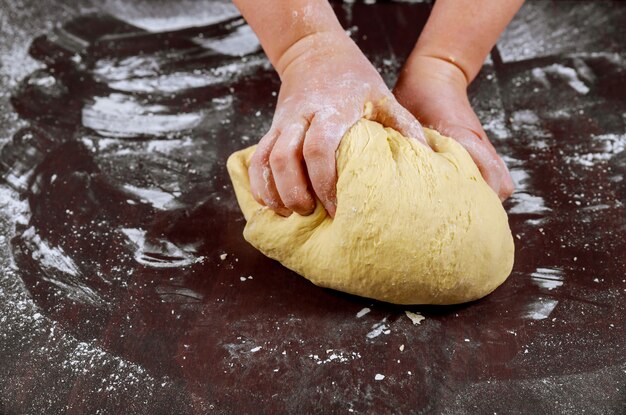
point(298, 204)
point(315, 149)
point(273, 201)
point(256, 161)
point(269, 136)
point(272, 204)
point(279, 160)
point(278, 207)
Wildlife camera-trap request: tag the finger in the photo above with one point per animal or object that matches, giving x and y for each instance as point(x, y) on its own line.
point(391, 114)
point(320, 145)
point(491, 166)
point(287, 164)
point(262, 183)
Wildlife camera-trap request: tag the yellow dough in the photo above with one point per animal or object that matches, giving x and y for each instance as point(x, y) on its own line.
point(413, 226)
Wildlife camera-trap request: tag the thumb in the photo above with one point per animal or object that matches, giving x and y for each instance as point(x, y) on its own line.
point(393, 115)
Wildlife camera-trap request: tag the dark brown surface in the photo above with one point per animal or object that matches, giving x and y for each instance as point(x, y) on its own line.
point(115, 298)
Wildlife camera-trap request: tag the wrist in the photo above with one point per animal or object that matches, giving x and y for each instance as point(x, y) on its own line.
point(315, 46)
point(434, 68)
point(282, 25)
point(463, 32)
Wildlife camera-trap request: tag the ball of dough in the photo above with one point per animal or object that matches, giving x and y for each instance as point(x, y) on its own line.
point(413, 225)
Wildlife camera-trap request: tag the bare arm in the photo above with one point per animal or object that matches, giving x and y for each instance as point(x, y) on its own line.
point(279, 24)
point(464, 31)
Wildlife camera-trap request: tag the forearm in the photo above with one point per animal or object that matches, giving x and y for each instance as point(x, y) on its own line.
point(463, 32)
point(279, 24)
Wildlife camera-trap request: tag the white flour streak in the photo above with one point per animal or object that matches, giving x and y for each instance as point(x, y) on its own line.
point(166, 146)
point(173, 82)
point(146, 73)
point(540, 309)
point(156, 197)
point(416, 318)
point(10, 205)
point(363, 312)
point(160, 253)
point(178, 15)
point(547, 278)
point(49, 257)
point(496, 127)
point(378, 329)
point(608, 145)
point(524, 203)
point(337, 356)
point(76, 292)
point(563, 73)
point(25, 332)
point(519, 177)
point(119, 116)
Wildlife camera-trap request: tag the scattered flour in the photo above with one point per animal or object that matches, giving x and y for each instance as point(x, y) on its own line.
point(47, 256)
point(540, 309)
point(563, 73)
point(120, 115)
point(416, 318)
point(547, 278)
point(162, 253)
point(156, 197)
point(363, 312)
point(337, 356)
point(378, 329)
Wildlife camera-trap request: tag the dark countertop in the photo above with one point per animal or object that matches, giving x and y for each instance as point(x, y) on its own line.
point(125, 283)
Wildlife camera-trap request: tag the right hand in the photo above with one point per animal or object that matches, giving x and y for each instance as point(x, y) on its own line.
point(327, 86)
point(435, 91)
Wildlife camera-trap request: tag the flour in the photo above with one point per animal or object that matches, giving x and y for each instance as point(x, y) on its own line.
point(179, 15)
point(416, 318)
point(540, 309)
point(156, 197)
point(161, 253)
point(563, 74)
point(120, 115)
point(607, 147)
point(378, 329)
point(363, 312)
point(547, 278)
point(336, 356)
point(525, 203)
point(24, 330)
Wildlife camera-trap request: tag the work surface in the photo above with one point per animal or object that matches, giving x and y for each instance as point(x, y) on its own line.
point(125, 283)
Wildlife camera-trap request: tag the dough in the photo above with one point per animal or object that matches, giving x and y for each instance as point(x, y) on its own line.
point(413, 226)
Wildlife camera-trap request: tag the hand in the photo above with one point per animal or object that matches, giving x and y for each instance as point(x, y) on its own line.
point(435, 91)
point(327, 86)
